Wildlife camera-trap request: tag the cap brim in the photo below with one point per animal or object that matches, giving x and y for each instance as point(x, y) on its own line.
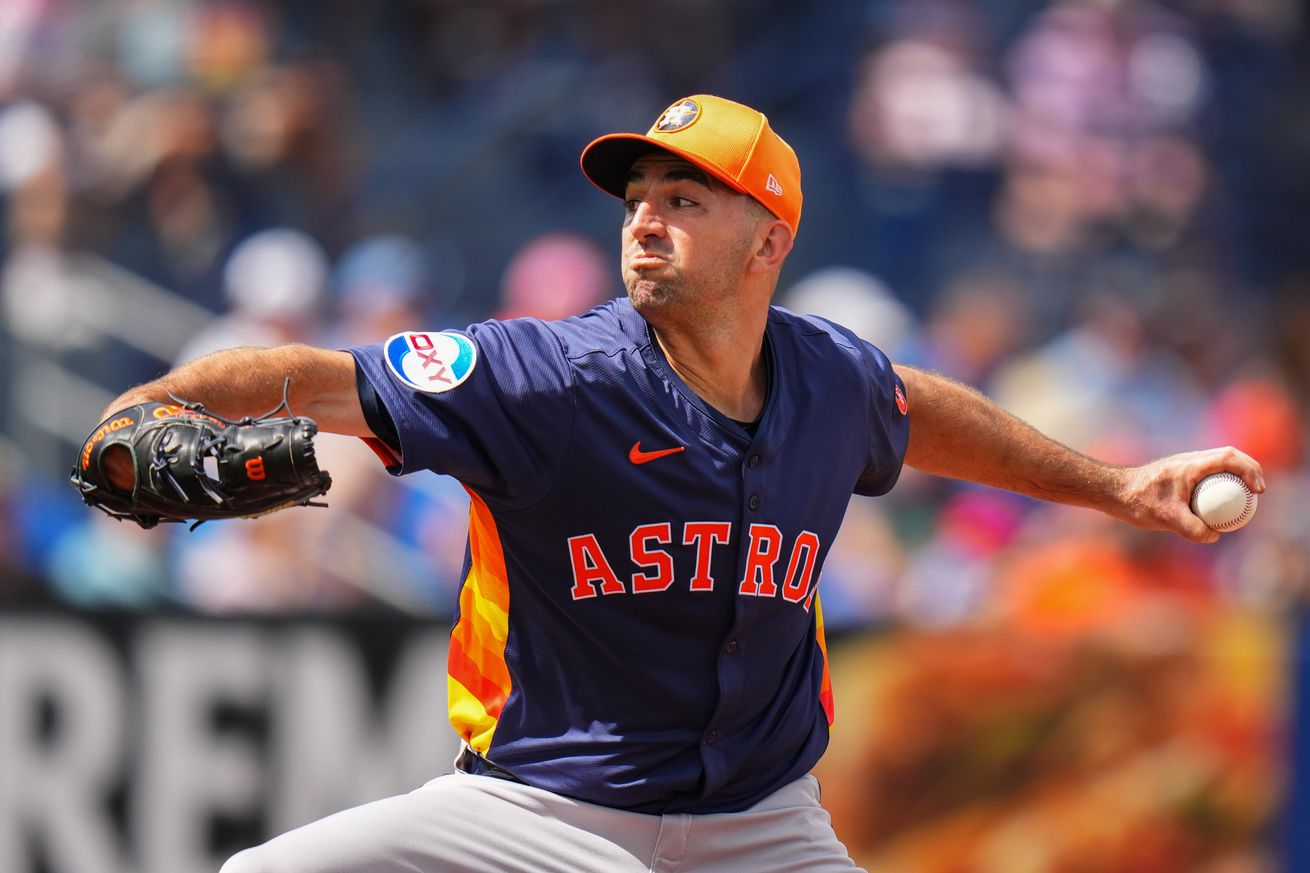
point(607, 160)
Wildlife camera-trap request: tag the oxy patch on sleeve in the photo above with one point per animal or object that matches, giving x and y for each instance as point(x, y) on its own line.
point(433, 362)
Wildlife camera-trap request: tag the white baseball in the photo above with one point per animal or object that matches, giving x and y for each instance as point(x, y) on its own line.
point(1223, 502)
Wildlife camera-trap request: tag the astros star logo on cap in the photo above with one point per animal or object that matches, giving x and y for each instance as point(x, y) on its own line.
point(730, 141)
point(678, 116)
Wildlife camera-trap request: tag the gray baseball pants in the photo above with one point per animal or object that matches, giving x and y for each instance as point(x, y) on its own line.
point(479, 824)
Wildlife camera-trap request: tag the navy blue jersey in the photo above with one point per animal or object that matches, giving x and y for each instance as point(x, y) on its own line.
point(639, 623)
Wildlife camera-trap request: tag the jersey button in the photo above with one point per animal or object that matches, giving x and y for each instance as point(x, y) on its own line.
point(753, 462)
point(754, 502)
point(711, 737)
point(731, 646)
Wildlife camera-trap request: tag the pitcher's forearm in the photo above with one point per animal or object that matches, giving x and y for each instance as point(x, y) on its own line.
point(249, 381)
point(957, 432)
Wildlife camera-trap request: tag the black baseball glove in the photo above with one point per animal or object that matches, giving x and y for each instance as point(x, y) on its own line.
point(191, 464)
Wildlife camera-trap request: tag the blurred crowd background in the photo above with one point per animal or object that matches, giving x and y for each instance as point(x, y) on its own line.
point(1093, 210)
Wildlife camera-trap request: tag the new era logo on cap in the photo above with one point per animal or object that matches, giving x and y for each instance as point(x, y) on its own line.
point(732, 142)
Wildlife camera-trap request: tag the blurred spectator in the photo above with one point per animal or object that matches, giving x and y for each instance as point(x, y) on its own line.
point(36, 297)
point(863, 571)
point(950, 580)
point(105, 563)
point(276, 290)
point(1104, 387)
point(978, 322)
point(1258, 416)
point(382, 287)
point(927, 128)
point(555, 276)
point(857, 300)
point(919, 106)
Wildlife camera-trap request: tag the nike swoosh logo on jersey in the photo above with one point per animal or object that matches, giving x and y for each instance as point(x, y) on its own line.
point(637, 456)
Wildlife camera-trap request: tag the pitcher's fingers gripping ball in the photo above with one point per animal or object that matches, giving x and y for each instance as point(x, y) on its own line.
point(1223, 501)
point(190, 464)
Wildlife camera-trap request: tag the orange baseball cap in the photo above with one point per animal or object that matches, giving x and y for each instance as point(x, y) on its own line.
point(731, 142)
